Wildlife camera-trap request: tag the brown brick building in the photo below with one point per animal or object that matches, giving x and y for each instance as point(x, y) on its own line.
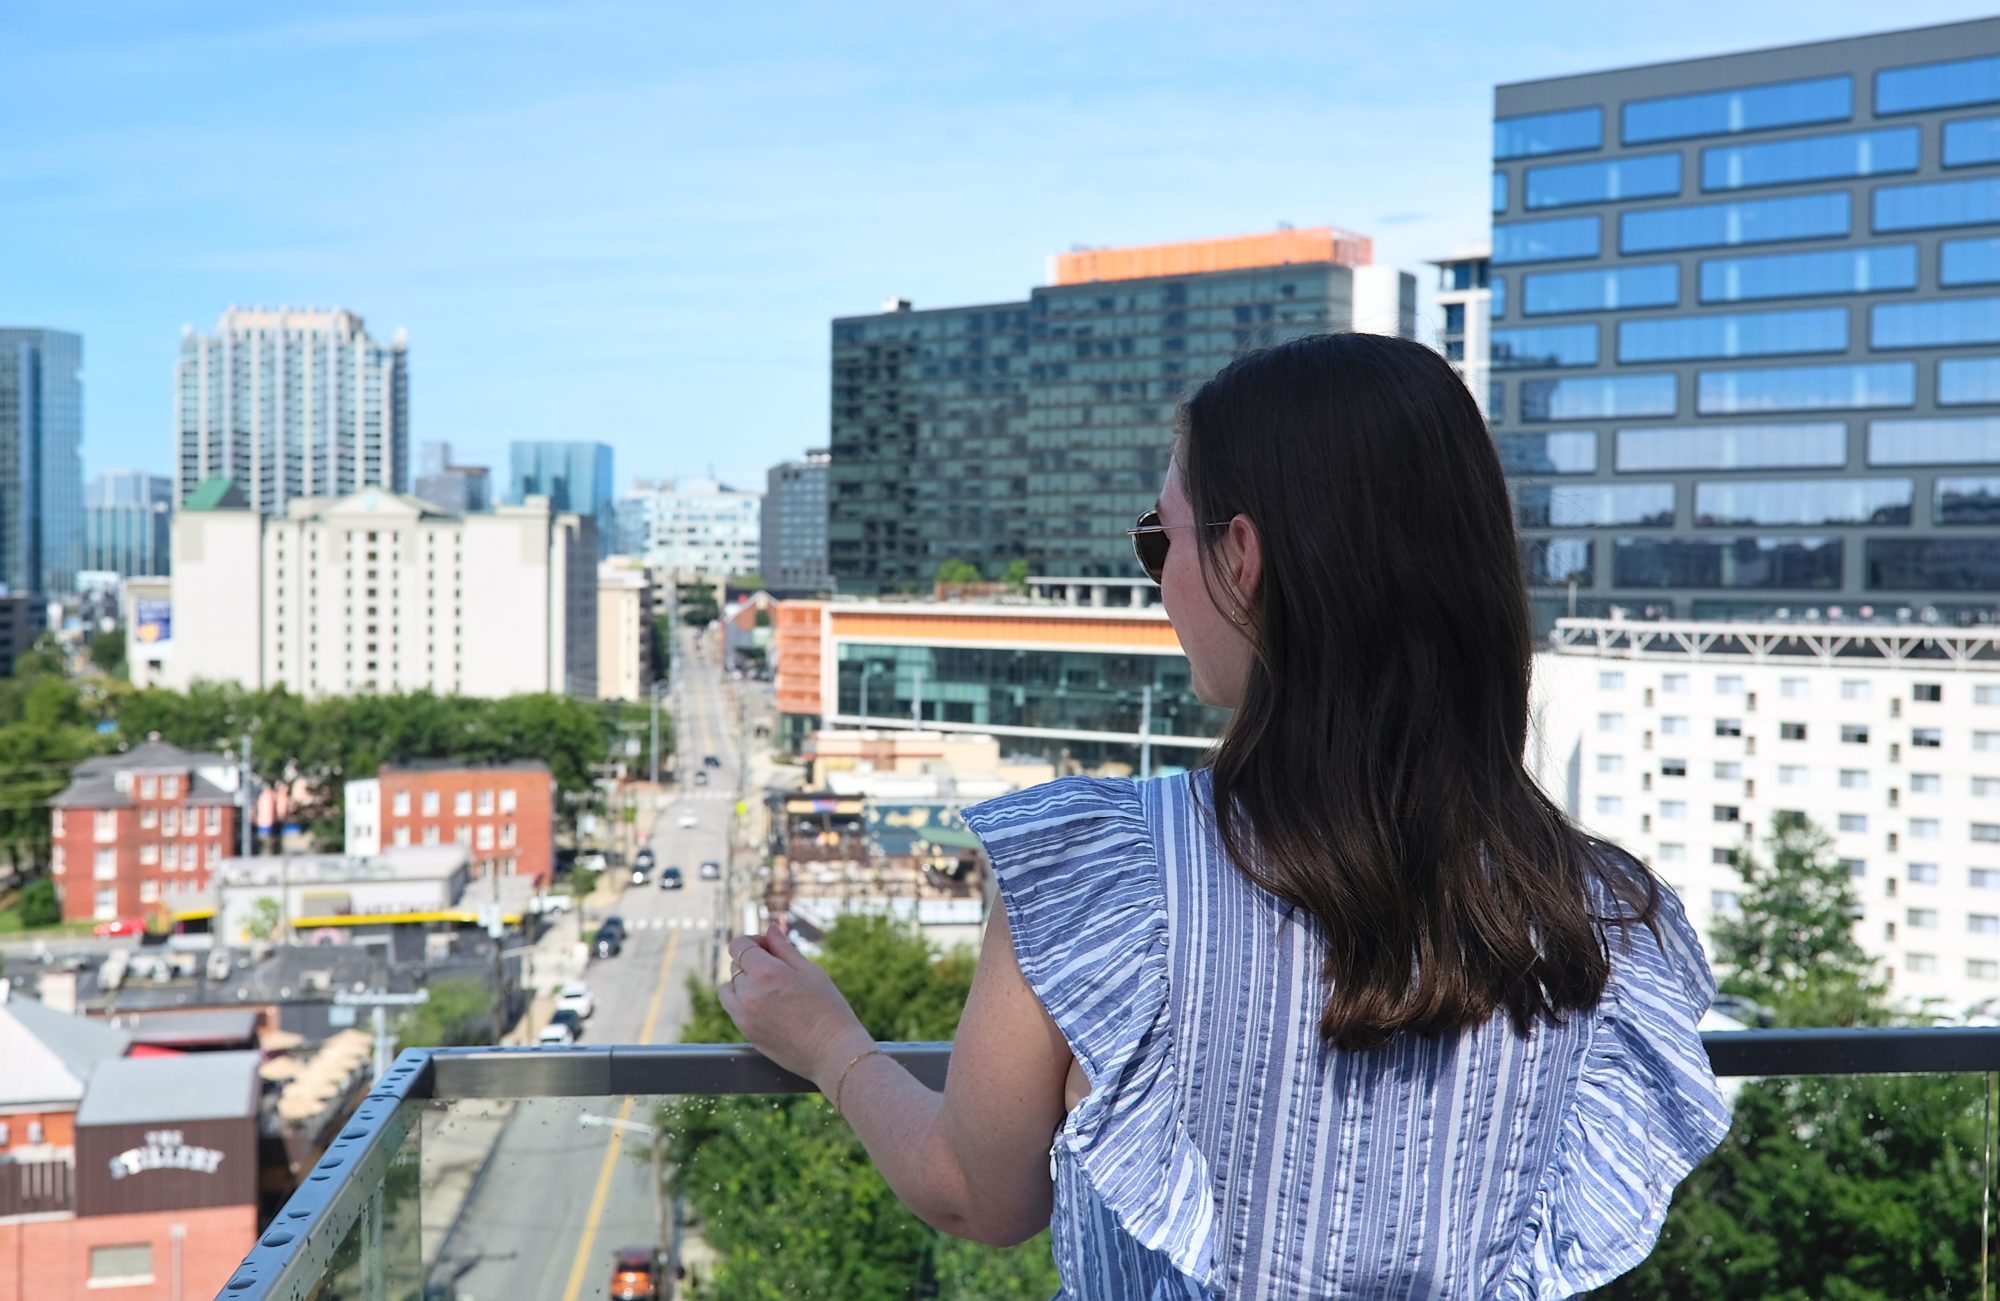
point(503, 813)
point(137, 832)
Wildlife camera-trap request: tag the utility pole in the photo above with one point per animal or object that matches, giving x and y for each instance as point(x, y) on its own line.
point(669, 1233)
point(385, 1044)
point(496, 928)
point(656, 732)
point(246, 806)
point(1146, 731)
point(917, 702)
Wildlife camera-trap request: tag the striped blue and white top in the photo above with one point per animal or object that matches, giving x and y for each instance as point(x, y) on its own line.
point(1225, 1151)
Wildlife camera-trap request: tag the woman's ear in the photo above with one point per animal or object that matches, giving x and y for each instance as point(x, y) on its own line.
point(1243, 549)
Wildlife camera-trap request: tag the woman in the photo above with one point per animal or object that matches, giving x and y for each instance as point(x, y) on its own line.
point(1355, 1012)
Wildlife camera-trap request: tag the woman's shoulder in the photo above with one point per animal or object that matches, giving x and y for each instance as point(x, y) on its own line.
point(1039, 836)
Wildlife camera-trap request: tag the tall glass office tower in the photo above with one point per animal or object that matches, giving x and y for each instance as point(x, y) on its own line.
point(575, 477)
point(128, 523)
point(290, 403)
point(41, 460)
point(1746, 329)
point(1039, 430)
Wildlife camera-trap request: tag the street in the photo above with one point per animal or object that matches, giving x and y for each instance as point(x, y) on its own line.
point(559, 1197)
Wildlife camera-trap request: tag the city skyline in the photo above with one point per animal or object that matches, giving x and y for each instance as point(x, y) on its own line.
point(674, 281)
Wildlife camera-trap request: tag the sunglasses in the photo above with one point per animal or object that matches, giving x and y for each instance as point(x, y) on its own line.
point(1150, 541)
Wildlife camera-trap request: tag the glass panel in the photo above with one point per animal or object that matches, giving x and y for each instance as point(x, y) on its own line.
point(1966, 380)
point(1602, 290)
point(1804, 275)
point(1960, 564)
point(1748, 221)
point(1556, 562)
point(1821, 158)
point(1732, 447)
point(1496, 402)
point(1596, 398)
point(1545, 345)
point(1969, 262)
point(1499, 297)
point(1806, 388)
point(1769, 502)
point(1937, 85)
point(1968, 499)
point(1937, 203)
point(1750, 334)
point(1548, 133)
point(1936, 323)
point(1975, 140)
point(1808, 563)
point(1560, 452)
point(1595, 505)
point(1649, 176)
point(1499, 191)
point(382, 1255)
point(1955, 441)
point(1552, 240)
point(1753, 108)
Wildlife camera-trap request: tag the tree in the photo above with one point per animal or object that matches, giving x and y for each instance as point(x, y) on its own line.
point(107, 652)
point(265, 915)
point(1016, 576)
point(39, 905)
point(1861, 1188)
point(459, 1012)
point(1790, 944)
point(955, 571)
point(784, 1191)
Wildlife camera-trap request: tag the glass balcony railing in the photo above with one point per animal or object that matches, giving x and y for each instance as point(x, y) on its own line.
point(1860, 1163)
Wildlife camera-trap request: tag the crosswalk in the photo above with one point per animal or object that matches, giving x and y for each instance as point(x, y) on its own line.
point(706, 793)
point(672, 924)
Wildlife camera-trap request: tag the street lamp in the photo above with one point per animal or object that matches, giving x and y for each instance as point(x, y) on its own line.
point(668, 1236)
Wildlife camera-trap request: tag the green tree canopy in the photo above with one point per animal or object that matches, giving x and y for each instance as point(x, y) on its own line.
point(955, 571)
point(460, 1012)
point(1015, 576)
point(784, 1191)
point(107, 651)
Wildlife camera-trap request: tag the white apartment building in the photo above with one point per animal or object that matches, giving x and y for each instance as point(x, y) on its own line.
point(381, 592)
point(697, 527)
point(627, 603)
point(1680, 740)
point(290, 403)
point(1465, 305)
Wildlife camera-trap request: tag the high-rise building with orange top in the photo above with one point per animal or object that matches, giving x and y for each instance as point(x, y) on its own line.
point(1038, 430)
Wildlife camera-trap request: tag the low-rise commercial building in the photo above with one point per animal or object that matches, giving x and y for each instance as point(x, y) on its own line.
point(284, 897)
point(139, 832)
point(1683, 740)
point(382, 592)
point(502, 814)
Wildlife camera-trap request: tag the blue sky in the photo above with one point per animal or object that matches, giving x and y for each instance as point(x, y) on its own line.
point(632, 222)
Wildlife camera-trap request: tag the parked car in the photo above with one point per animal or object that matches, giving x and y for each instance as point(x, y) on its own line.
point(607, 944)
point(639, 876)
point(711, 870)
point(575, 997)
point(548, 902)
point(563, 1016)
point(613, 923)
point(555, 1034)
point(122, 926)
point(644, 858)
point(635, 1275)
point(688, 819)
point(671, 879)
point(593, 861)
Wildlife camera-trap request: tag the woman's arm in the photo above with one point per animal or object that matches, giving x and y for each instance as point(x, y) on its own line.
point(972, 1161)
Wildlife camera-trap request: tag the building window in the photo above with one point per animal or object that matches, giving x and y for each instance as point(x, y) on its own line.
point(170, 788)
point(1673, 767)
point(1670, 853)
point(1805, 388)
point(1722, 856)
point(1791, 731)
point(104, 825)
point(1986, 833)
point(1854, 734)
point(461, 804)
point(507, 800)
point(1674, 684)
point(1925, 829)
point(1728, 770)
point(1723, 901)
point(484, 839)
point(506, 835)
point(1610, 804)
point(431, 804)
point(1611, 763)
point(1923, 873)
point(212, 820)
point(1806, 275)
point(149, 854)
point(1928, 205)
point(1728, 813)
point(1926, 783)
point(1611, 722)
point(1674, 725)
point(128, 1264)
point(1927, 738)
point(401, 836)
point(1610, 681)
point(1794, 688)
point(149, 892)
point(400, 805)
point(431, 834)
point(170, 822)
point(1982, 969)
point(1984, 878)
point(1920, 964)
point(148, 819)
point(149, 788)
point(56, 868)
point(1791, 774)
point(1921, 919)
point(1854, 822)
point(1983, 924)
point(1729, 727)
point(1750, 108)
point(1561, 132)
point(104, 865)
point(1931, 692)
point(1673, 810)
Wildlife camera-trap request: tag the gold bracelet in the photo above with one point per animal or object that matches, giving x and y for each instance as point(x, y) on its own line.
point(842, 1082)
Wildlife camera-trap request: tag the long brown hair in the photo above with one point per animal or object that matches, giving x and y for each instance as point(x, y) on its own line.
point(1373, 773)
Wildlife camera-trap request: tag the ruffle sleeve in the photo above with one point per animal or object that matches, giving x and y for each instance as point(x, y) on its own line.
point(1075, 863)
point(1644, 1112)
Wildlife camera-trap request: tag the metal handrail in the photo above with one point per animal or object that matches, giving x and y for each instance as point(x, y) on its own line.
point(297, 1248)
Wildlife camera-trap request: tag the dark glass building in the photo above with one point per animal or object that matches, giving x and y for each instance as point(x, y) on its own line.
point(41, 460)
point(128, 524)
point(574, 476)
point(1746, 328)
point(1039, 430)
point(793, 546)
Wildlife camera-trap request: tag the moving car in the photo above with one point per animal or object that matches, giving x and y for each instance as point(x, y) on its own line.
point(710, 761)
point(671, 879)
point(711, 870)
point(635, 1275)
point(613, 923)
point(608, 944)
point(555, 1034)
point(551, 903)
point(575, 997)
point(701, 777)
point(688, 819)
point(644, 858)
point(564, 1017)
point(122, 926)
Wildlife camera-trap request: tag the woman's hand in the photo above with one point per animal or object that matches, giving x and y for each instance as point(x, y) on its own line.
point(788, 1009)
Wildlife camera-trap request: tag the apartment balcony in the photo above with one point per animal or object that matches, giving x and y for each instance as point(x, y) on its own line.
point(424, 1194)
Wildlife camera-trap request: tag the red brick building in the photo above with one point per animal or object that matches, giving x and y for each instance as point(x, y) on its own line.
point(503, 813)
point(137, 832)
point(147, 1185)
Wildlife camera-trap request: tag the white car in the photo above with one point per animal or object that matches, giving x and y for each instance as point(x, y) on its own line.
point(575, 997)
point(551, 903)
point(688, 819)
point(555, 1034)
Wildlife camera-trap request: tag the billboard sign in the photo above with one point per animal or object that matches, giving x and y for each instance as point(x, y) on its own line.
point(152, 620)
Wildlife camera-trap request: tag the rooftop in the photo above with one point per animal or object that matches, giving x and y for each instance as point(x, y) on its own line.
point(192, 1086)
point(50, 1055)
point(1194, 257)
